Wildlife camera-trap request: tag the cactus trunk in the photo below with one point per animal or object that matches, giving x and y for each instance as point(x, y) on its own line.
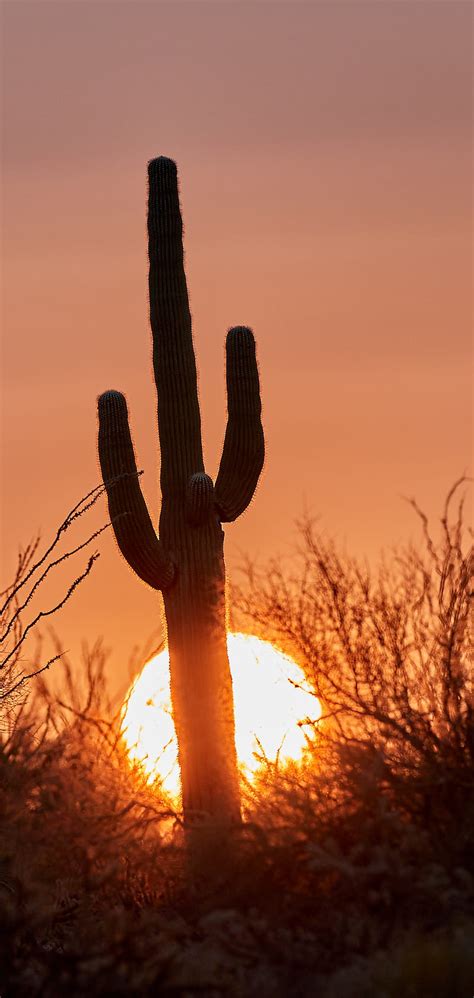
point(201, 685)
point(186, 562)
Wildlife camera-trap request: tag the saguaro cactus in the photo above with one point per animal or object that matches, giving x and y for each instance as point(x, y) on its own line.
point(186, 562)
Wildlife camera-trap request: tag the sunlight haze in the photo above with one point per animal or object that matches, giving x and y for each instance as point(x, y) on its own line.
point(324, 165)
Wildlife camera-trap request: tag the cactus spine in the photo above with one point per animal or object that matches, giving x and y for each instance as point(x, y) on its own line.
point(186, 562)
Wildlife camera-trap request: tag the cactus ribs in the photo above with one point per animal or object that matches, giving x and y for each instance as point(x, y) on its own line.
point(186, 562)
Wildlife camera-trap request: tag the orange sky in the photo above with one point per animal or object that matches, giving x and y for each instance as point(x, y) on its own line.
point(324, 159)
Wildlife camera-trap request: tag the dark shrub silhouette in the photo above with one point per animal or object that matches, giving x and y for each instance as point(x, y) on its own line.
point(389, 654)
point(353, 875)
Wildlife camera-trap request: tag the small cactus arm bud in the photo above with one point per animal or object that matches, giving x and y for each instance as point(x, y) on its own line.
point(200, 498)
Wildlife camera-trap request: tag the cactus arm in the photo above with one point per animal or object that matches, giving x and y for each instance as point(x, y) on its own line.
point(131, 521)
point(244, 448)
point(174, 363)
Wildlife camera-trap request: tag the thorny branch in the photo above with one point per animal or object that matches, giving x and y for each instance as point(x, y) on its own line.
point(31, 573)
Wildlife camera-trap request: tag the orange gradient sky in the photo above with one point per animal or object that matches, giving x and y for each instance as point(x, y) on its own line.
point(324, 160)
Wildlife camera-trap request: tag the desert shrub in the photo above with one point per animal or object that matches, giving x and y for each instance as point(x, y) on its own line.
point(81, 831)
point(373, 835)
point(423, 967)
point(352, 873)
point(390, 657)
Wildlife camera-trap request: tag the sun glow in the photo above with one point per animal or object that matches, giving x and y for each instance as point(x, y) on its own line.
point(275, 711)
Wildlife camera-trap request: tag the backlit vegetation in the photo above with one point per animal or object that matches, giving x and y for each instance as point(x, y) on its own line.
point(352, 875)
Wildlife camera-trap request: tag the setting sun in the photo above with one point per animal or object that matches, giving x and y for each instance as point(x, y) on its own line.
point(274, 710)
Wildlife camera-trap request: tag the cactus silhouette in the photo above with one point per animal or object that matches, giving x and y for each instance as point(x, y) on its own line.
point(186, 562)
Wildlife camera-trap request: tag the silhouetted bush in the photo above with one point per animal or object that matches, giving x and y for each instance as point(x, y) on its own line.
point(390, 657)
point(353, 872)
